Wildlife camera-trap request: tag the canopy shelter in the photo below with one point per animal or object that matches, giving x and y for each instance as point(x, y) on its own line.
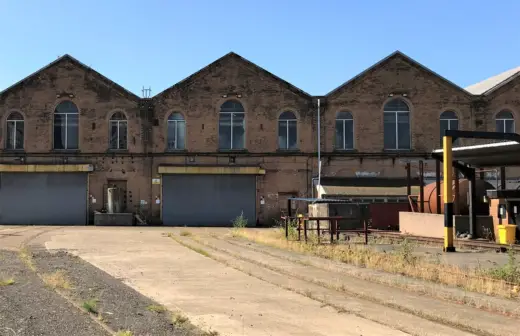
point(466, 159)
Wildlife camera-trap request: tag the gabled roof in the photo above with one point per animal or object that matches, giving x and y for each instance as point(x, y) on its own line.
point(232, 55)
point(491, 84)
point(385, 60)
point(71, 59)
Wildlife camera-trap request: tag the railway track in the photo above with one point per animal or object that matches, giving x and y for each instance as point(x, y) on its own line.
point(474, 243)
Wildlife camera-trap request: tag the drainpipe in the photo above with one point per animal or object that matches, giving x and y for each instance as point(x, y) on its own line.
point(319, 144)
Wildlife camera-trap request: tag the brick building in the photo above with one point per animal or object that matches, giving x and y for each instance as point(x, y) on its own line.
point(231, 138)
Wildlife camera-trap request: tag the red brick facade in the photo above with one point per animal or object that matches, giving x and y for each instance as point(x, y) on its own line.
point(264, 97)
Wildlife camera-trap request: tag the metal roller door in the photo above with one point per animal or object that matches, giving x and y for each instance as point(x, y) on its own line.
point(43, 198)
point(208, 200)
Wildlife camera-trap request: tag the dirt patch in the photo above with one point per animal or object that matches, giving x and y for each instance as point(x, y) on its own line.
point(112, 302)
point(29, 308)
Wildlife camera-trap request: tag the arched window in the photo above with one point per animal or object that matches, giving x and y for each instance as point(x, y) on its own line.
point(66, 128)
point(344, 131)
point(15, 131)
point(231, 126)
point(397, 125)
point(505, 122)
point(448, 121)
point(118, 131)
point(176, 131)
point(287, 131)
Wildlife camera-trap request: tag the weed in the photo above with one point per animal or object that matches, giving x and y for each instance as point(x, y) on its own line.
point(239, 223)
point(26, 256)
point(90, 306)
point(124, 333)
point(7, 282)
point(185, 233)
point(156, 308)
point(193, 248)
point(57, 280)
point(510, 272)
point(178, 319)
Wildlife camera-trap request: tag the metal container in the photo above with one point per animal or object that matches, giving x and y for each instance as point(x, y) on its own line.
point(114, 200)
point(481, 208)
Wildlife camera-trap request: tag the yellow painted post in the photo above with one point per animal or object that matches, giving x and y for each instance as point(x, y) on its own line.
point(448, 195)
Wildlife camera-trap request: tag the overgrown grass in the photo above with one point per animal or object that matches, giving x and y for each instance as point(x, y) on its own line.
point(26, 257)
point(195, 249)
point(239, 223)
point(7, 282)
point(181, 321)
point(156, 308)
point(503, 281)
point(91, 306)
point(57, 280)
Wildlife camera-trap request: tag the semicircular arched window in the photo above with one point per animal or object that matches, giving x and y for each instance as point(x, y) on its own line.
point(344, 131)
point(448, 121)
point(15, 131)
point(66, 126)
point(505, 122)
point(118, 131)
point(288, 131)
point(397, 125)
point(176, 132)
point(231, 126)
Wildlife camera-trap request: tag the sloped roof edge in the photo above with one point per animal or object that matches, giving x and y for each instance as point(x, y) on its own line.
point(80, 64)
point(386, 59)
point(247, 62)
point(491, 84)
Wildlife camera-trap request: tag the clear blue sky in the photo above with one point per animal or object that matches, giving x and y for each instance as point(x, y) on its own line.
point(316, 45)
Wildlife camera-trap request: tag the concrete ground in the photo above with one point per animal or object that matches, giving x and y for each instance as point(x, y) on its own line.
point(240, 291)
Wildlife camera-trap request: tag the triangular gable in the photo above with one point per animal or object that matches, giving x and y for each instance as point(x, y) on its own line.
point(384, 61)
point(71, 59)
point(228, 56)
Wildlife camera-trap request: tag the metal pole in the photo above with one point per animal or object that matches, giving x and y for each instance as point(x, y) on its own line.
point(438, 185)
point(319, 144)
point(448, 201)
point(456, 209)
point(421, 185)
point(503, 185)
point(472, 202)
point(408, 184)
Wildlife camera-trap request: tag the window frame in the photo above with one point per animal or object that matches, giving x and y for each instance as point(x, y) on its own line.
point(504, 120)
point(66, 114)
point(450, 121)
point(286, 126)
point(118, 124)
point(396, 114)
point(231, 113)
point(343, 122)
point(175, 122)
point(15, 122)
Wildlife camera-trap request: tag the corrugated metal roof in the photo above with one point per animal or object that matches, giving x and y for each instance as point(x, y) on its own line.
point(491, 83)
point(498, 154)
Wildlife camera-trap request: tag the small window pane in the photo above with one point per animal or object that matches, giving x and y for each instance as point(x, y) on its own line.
point(122, 135)
point(397, 105)
point(19, 132)
point(232, 106)
point(224, 131)
point(176, 116)
point(390, 140)
point(118, 116)
point(66, 107)
point(113, 135)
point(403, 129)
point(282, 134)
point(293, 134)
point(509, 126)
point(504, 115)
point(15, 116)
point(238, 131)
point(339, 134)
point(344, 115)
point(59, 131)
point(448, 115)
point(288, 115)
point(181, 134)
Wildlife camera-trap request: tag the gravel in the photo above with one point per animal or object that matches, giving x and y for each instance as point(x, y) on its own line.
point(29, 308)
point(120, 307)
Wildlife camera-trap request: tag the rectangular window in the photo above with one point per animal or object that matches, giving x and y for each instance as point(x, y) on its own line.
point(231, 131)
point(176, 134)
point(118, 134)
point(505, 125)
point(344, 134)
point(15, 134)
point(66, 129)
point(288, 134)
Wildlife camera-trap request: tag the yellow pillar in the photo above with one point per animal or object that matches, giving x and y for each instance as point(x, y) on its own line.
point(448, 195)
